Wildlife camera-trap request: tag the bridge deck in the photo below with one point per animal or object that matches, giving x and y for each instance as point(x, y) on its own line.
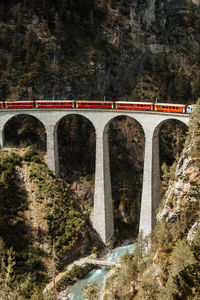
point(99, 262)
point(96, 110)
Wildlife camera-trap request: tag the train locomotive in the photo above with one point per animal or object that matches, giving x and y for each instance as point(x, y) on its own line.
point(94, 104)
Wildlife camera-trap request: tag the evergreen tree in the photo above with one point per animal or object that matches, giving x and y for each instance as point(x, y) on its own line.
point(196, 87)
point(7, 277)
point(91, 290)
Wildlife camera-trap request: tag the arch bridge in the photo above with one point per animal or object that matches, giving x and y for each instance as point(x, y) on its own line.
point(103, 212)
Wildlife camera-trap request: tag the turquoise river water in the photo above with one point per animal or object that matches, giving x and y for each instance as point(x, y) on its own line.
point(98, 275)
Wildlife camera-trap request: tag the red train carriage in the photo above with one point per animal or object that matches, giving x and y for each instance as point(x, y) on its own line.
point(169, 107)
point(134, 105)
point(54, 104)
point(94, 104)
point(19, 104)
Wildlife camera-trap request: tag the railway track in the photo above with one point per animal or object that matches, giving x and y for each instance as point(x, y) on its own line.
point(97, 110)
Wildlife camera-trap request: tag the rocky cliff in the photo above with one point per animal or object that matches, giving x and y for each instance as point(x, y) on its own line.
point(118, 49)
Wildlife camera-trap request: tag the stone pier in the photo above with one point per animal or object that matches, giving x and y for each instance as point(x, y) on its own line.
point(103, 211)
point(1, 137)
point(52, 149)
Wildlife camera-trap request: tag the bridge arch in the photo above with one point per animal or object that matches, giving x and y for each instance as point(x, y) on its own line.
point(169, 118)
point(76, 136)
point(72, 113)
point(21, 117)
point(126, 156)
point(76, 145)
point(156, 189)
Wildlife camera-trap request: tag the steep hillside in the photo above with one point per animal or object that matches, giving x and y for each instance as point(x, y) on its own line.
point(38, 213)
point(88, 49)
point(170, 269)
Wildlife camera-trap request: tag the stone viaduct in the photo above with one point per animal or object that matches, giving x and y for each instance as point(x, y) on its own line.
point(102, 213)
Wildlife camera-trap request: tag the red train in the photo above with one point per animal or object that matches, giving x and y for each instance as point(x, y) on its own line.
point(93, 104)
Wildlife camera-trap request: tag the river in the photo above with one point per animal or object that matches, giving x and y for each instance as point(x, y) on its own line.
point(97, 275)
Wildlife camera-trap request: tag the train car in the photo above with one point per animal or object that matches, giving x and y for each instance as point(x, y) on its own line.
point(190, 109)
point(54, 104)
point(169, 107)
point(19, 104)
point(94, 104)
point(134, 105)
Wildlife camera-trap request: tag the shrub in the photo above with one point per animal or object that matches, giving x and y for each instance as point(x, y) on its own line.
point(31, 154)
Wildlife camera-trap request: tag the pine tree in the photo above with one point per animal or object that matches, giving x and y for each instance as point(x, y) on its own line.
point(7, 277)
point(58, 27)
point(53, 270)
point(196, 87)
point(91, 290)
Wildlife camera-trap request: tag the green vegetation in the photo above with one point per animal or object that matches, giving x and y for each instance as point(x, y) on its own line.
point(164, 80)
point(77, 272)
point(66, 226)
point(23, 259)
point(91, 290)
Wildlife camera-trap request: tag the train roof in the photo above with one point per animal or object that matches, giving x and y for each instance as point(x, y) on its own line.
point(170, 104)
point(22, 101)
point(94, 101)
point(130, 102)
point(54, 101)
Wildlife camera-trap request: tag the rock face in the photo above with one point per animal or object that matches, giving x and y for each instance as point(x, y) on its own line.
point(108, 60)
point(181, 189)
point(182, 196)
